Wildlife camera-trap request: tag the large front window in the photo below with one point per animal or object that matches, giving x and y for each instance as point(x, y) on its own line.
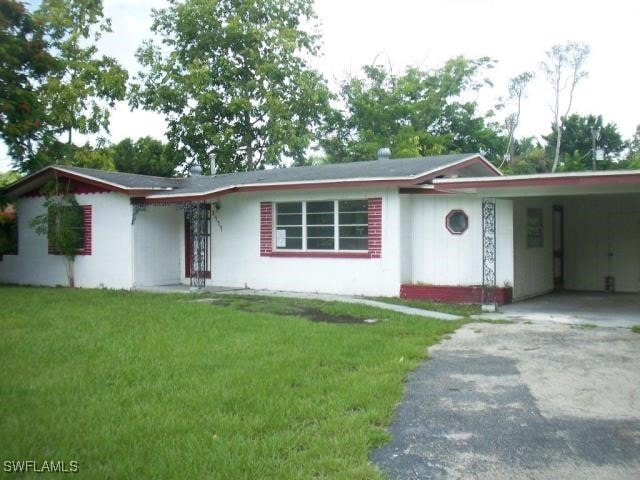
point(322, 225)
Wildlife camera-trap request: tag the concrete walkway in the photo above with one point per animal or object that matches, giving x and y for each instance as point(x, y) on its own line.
point(308, 296)
point(348, 299)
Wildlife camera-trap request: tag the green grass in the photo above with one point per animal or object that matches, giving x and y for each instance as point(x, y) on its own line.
point(455, 309)
point(140, 385)
point(635, 329)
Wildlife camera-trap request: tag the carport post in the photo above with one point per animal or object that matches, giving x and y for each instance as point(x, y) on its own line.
point(489, 254)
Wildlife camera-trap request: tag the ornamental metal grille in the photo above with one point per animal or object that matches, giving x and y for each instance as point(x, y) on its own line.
point(198, 222)
point(488, 251)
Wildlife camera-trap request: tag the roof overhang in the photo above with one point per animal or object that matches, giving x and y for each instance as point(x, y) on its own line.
point(554, 184)
point(39, 178)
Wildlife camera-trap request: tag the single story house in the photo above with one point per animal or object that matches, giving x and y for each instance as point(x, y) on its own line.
point(448, 227)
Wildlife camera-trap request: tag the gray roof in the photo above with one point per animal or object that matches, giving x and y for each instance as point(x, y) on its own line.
point(127, 180)
point(401, 168)
point(378, 169)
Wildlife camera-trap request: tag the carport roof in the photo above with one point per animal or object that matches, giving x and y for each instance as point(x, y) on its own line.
point(549, 184)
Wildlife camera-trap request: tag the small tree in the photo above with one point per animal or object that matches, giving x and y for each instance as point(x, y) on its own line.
point(517, 91)
point(62, 223)
point(564, 68)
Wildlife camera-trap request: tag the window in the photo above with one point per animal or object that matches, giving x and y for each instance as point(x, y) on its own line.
point(8, 233)
point(76, 222)
point(535, 232)
point(322, 225)
point(457, 222)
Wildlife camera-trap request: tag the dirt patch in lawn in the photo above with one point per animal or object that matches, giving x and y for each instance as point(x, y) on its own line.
point(282, 307)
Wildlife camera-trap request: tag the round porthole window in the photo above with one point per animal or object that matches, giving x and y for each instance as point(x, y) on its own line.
point(457, 222)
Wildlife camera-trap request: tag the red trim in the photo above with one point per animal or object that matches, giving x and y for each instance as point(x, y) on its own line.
point(453, 294)
point(318, 254)
point(75, 187)
point(559, 181)
point(457, 166)
point(91, 185)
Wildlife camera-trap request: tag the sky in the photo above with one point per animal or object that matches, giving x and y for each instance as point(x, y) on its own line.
point(425, 33)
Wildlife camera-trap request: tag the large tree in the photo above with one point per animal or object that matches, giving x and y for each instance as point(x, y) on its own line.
point(564, 68)
point(79, 93)
point(416, 113)
point(580, 134)
point(232, 79)
point(146, 156)
point(24, 61)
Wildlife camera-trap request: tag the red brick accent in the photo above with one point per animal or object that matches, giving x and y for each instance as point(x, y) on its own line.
point(87, 249)
point(266, 229)
point(72, 186)
point(453, 294)
point(88, 230)
point(375, 227)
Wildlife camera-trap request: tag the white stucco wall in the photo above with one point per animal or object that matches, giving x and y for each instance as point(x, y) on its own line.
point(109, 265)
point(441, 258)
point(157, 239)
point(236, 260)
point(594, 226)
point(533, 267)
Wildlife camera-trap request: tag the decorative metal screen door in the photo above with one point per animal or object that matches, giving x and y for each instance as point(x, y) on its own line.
point(197, 242)
point(488, 251)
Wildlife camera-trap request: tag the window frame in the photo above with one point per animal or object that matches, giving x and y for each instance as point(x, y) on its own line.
point(335, 225)
point(87, 226)
point(451, 214)
point(535, 227)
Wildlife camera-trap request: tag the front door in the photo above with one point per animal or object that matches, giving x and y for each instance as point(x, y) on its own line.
point(197, 244)
point(558, 247)
point(624, 251)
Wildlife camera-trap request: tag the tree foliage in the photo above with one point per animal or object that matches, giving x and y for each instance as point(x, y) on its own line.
point(80, 92)
point(58, 82)
point(576, 150)
point(416, 113)
point(232, 79)
point(24, 61)
point(62, 224)
point(146, 156)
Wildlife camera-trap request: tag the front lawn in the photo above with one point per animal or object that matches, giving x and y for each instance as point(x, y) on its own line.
point(141, 385)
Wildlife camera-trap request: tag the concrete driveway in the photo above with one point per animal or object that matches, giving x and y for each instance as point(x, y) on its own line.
point(596, 308)
point(521, 401)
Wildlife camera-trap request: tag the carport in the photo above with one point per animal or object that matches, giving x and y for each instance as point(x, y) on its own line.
point(572, 232)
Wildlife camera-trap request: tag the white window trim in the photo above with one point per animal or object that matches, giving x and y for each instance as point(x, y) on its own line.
point(336, 227)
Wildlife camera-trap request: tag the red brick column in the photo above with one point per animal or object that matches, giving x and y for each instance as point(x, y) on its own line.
point(88, 229)
point(266, 229)
point(375, 227)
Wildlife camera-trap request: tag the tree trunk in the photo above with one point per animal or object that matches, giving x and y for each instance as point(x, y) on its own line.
point(249, 141)
point(556, 158)
point(68, 265)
